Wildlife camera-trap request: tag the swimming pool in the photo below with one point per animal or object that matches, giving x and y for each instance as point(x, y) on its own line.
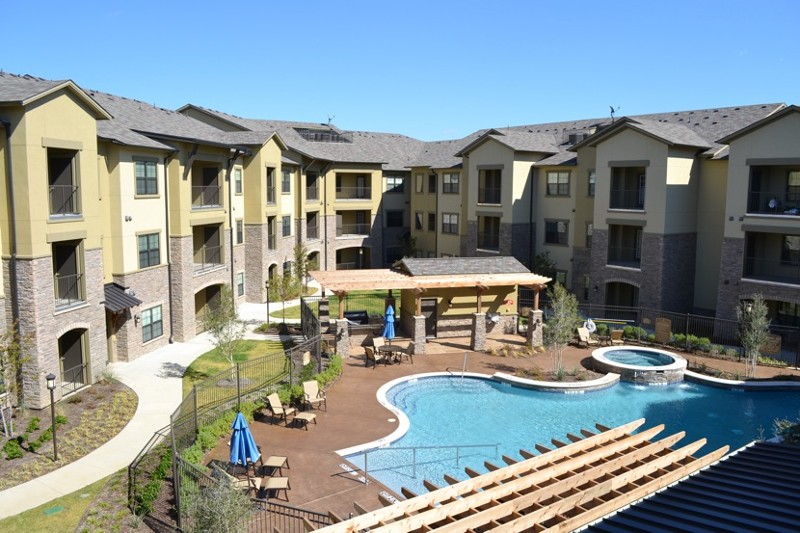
point(455, 411)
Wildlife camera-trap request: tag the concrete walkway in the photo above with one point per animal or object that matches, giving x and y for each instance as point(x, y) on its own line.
point(156, 378)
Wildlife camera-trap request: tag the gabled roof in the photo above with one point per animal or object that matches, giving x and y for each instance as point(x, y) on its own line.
point(518, 140)
point(666, 132)
point(760, 123)
point(443, 266)
point(24, 90)
point(442, 154)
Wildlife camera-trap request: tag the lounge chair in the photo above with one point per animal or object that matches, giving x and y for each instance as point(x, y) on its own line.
point(278, 409)
point(616, 337)
point(376, 358)
point(312, 395)
point(585, 339)
point(246, 484)
point(408, 353)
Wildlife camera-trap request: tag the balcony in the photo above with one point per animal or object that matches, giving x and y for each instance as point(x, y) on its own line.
point(207, 258)
point(354, 193)
point(772, 203)
point(627, 199)
point(204, 196)
point(270, 195)
point(68, 289)
point(488, 241)
point(312, 232)
point(272, 241)
point(776, 270)
point(312, 192)
point(64, 200)
point(489, 195)
point(624, 256)
point(353, 229)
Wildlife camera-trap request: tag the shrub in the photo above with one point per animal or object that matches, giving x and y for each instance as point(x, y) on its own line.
point(678, 340)
point(602, 329)
point(769, 361)
point(13, 450)
point(34, 445)
point(703, 344)
point(633, 332)
point(732, 353)
point(33, 424)
point(788, 431)
point(61, 420)
point(651, 337)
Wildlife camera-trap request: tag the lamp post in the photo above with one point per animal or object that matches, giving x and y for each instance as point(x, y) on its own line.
point(266, 286)
point(51, 385)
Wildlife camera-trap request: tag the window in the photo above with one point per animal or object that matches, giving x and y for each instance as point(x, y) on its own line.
point(286, 224)
point(418, 183)
point(240, 284)
point(237, 180)
point(450, 223)
point(431, 221)
point(287, 268)
point(394, 219)
point(270, 185)
point(555, 232)
point(395, 184)
point(558, 183)
point(790, 254)
point(146, 181)
point(312, 189)
point(561, 277)
point(489, 186)
point(592, 177)
point(152, 324)
point(63, 182)
point(450, 183)
point(149, 250)
point(286, 181)
point(239, 231)
point(418, 220)
point(432, 183)
point(793, 186)
point(589, 230)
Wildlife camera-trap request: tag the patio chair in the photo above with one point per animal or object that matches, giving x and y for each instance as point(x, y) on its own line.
point(378, 343)
point(376, 358)
point(616, 337)
point(279, 410)
point(245, 484)
point(312, 395)
point(585, 339)
point(408, 353)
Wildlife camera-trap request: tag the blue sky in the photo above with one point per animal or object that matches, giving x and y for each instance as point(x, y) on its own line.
point(429, 69)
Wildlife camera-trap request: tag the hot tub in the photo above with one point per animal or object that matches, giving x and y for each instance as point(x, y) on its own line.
point(640, 365)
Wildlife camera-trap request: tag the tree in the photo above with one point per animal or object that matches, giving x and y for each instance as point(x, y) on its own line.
point(753, 330)
point(224, 325)
point(561, 323)
point(543, 265)
point(221, 507)
point(301, 264)
point(13, 357)
point(409, 244)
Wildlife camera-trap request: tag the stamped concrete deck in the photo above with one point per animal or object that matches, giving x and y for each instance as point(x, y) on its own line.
point(318, 480)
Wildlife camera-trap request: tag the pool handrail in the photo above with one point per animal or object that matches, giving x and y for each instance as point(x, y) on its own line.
point(414, 456)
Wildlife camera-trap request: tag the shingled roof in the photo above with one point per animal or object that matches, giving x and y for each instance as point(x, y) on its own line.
point(443, 266)
point(23, 90)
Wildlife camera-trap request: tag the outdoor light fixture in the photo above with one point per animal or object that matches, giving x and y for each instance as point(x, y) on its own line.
point(51, 385)
point(595, 288)
point(266, 287)
point(136, 319)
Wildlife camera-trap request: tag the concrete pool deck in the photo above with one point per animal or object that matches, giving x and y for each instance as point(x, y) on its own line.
point(318, 479)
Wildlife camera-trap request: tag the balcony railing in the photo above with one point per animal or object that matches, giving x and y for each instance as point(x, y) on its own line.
point(272, 242)
point(353, 193)
point(624, 256)
point(271, 195)
point(73, 379)
point(489, 195)
point(68, 289)
point(312, 232)
point(64, 200)
point(352, 229)
point(208, 257)
point(346, 266)
point(488, 241)
point(205, 196)
point(771, 270)
point(312, 193)
point(627, 199)
point(771, 203)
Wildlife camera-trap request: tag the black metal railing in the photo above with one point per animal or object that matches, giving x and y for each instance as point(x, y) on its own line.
point(627, 199)
point(488, 240)
point(352, 229)
point(489, 195)
point(208, 257)
point(64, 200)
point(312, 232)
point(273, 516)
point(73, 378)
point(771, 270)
point(272, 241)
point(205, 196)
point(626, 256)
point(312, 193)
point(773, 203)
point(271, 195)
point(353, 193)
point(68, 289)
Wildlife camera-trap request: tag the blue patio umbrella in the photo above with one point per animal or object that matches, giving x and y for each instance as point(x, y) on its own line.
point(388, 320)
point(243, 446)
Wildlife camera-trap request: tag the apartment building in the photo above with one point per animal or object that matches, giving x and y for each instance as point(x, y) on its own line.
point(150, 211)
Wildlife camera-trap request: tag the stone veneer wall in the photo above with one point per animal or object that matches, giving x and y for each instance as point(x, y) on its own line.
point(581, 266)
point(677, 258)
point(150, 286)
point(521, 245)
point(507, 243)
point(39, 318)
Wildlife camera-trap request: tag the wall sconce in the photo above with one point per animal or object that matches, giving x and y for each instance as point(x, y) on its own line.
point(136, 320)
point(449, 302)
point(128, 218)
point(595, 289)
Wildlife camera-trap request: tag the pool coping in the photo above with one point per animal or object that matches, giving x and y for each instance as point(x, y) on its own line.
point(678, 361)
point(570, 387)
point(739, 384)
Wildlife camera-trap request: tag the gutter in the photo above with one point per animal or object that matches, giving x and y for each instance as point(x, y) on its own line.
point(13, 277)
point(169, 255)
point(232, 220)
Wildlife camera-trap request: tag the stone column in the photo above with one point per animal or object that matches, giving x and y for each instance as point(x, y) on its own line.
point(324, 315)
point(535, 337)
point(479, 332)
point(419, 335)
point(342, 338)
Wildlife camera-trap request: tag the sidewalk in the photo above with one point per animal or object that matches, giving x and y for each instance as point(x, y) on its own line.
point(156, 378)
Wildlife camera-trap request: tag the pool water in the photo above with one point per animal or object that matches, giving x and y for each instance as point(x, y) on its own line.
point(455, 411)
point(639, 357)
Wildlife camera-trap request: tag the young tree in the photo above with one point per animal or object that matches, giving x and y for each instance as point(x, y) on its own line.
point(12, 369)
point(221, 508)
point(753, 330)
point(225, 326)
point(301, 264)
point(560, 325)
point(544, 265)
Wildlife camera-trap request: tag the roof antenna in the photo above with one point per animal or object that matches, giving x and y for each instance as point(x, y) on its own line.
point(613, 111)
point(330, 119)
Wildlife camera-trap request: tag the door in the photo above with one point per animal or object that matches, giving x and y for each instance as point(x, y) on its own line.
point(361, 182)
point(429, 312)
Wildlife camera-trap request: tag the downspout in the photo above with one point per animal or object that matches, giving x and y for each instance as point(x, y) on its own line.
point(169, 247)
point(534, 184)
point(13, 278)
point(231, 220)
point(436, 210)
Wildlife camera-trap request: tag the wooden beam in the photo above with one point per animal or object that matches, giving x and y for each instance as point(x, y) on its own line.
point(342, 296)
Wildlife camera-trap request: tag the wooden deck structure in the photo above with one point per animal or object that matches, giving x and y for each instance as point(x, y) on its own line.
point(564, 488)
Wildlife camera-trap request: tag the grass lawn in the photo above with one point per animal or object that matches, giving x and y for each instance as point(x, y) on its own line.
point(212, 362)
point(57, 516)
